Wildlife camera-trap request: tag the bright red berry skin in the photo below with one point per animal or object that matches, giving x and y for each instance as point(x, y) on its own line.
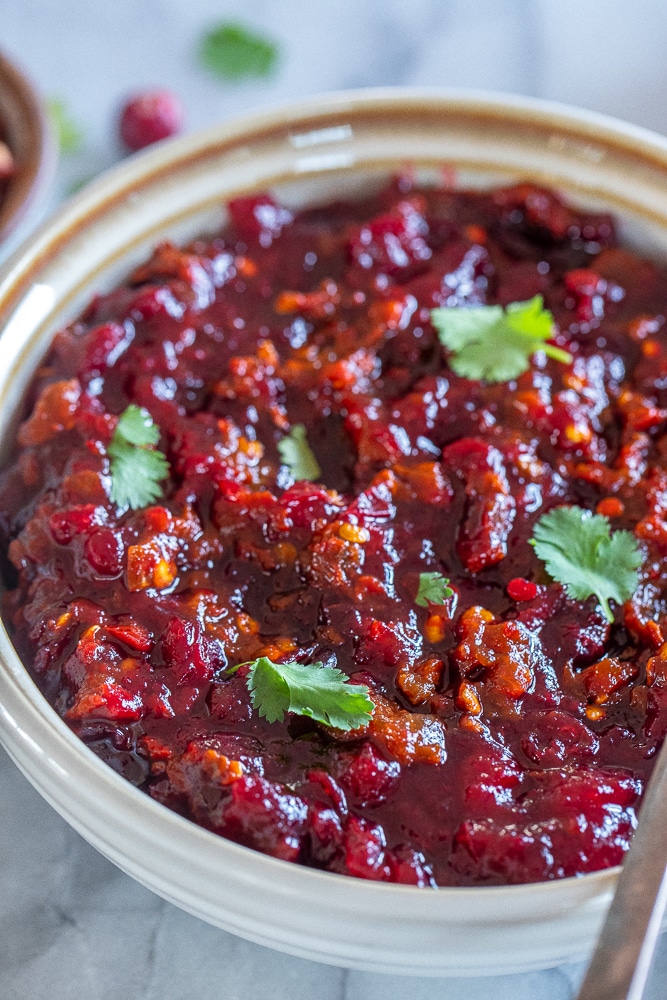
point(149, 117)
point(522, 590)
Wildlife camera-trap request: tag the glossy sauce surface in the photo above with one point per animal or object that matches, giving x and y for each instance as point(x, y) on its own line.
point(514, 728)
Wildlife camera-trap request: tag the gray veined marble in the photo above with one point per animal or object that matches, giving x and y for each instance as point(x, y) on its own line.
point(73, 926)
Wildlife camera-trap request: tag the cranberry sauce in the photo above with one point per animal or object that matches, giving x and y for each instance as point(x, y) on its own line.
point(514, 728)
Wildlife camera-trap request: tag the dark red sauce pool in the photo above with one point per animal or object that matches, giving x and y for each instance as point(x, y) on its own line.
point(514, 728)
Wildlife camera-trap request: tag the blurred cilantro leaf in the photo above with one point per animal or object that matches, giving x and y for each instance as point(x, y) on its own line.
point(68, 133)
point(232, 51)
point(297, 455)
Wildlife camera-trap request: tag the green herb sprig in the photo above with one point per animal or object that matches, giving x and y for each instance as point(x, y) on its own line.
point(311, 689)
point(137, 467)
point(297, 455)
point(433, 589)
point(496, 344)
point(232, 51)
point(579, 550)
point(68, 133)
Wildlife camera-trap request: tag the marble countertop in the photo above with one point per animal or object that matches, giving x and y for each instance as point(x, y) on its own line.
point(71, 924)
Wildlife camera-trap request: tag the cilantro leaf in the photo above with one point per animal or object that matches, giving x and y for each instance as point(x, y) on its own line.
point(310, 689)
point(136, 469)
point(297, 455)
point(231, 51)
point(495, 344)
point(136, 426)
point(433, 589)
point(68, 133)
point(580, 552)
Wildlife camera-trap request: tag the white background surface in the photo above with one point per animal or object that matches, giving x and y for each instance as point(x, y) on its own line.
point(73, 927)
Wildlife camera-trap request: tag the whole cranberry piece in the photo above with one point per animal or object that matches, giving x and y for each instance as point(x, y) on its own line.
point(150, 116)
point(103, 550)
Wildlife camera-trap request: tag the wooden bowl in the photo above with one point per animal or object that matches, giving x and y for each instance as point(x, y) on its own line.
point(25, 128)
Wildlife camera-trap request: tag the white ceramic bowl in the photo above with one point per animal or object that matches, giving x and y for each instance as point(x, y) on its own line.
point(307, 152)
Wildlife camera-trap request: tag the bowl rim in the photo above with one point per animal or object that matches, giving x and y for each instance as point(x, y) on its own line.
point(143, 171)
point(634, 142)
point(31, 139)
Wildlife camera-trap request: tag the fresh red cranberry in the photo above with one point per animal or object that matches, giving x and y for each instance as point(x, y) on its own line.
point(150, 116)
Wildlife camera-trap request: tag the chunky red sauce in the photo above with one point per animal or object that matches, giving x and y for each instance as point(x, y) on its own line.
point(514, 728)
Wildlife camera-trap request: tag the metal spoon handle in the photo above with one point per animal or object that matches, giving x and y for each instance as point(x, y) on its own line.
point(622, 959)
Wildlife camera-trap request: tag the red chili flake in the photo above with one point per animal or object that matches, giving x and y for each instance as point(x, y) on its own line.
point(132, 635)
point(521, 590)
point(475, 234)
point(610, 507)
